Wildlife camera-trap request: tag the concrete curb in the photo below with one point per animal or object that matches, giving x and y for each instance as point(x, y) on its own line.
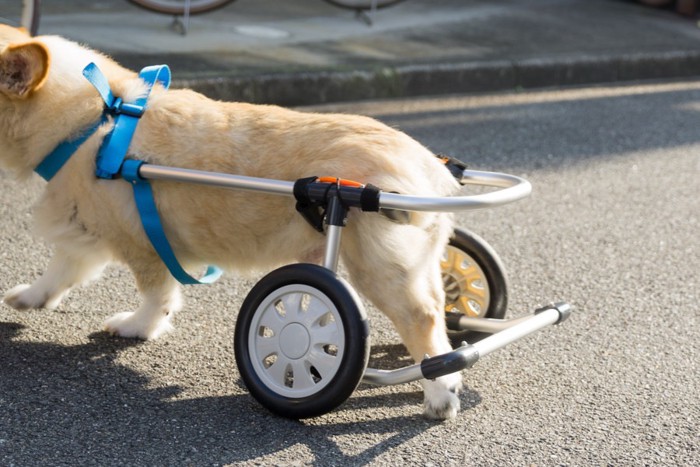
point(317, 87)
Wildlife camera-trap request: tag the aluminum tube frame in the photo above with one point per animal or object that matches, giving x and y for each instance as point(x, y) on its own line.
point(332, 253)
point(392, 377)
point(216, 179)
point(518, 331)
point(519, 328)
point(488, 325)
point(512, 188)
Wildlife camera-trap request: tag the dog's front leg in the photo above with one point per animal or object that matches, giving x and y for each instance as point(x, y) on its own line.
point(161, 299)
point(64, 271)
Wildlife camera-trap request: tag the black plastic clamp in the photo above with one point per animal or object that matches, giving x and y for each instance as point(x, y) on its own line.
point(451, 362)
point(316, 199)
point(563, 308)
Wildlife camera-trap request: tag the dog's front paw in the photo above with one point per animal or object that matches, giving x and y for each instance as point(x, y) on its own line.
point(22, 297)
point(130, 324)
point(441, 401)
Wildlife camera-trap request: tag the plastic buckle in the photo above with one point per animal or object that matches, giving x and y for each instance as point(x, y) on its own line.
point(119, 107)
point(130, 171)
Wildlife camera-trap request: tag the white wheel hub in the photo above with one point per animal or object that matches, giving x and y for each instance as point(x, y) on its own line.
point(296, 341)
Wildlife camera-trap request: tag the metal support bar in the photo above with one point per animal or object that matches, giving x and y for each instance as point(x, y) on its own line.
point(468, 354)
point(391, 377)
point(543, 317)
point(430, 368)
point(221, 180)
point(336, 217)
point(460, 322)
point(512, 188)
point(330, 259)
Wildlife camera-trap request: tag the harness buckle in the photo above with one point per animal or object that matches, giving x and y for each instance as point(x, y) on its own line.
point(119, 107)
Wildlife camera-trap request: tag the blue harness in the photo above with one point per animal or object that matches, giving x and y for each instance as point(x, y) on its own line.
point(111, 161)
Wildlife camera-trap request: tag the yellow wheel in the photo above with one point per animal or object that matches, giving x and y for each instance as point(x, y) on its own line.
point(474, 280)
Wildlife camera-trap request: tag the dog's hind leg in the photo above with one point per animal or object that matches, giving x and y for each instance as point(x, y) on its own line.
point(64, 271)
point(397, 268)
point(161, 299)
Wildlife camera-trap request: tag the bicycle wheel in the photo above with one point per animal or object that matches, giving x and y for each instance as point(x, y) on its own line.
point(301, 341)
point(177, 7)
point(474, 281)
point(30, 15)
point(363, 4)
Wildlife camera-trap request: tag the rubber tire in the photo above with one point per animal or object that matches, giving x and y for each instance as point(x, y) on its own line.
point(357, 345)
point(490, 263)
point(175, 9)
point(367, 5)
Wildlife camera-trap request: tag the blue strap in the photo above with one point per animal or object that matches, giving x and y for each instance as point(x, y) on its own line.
point(115, 145)
point(57, 158)
point(145, 203)
point(111, 161)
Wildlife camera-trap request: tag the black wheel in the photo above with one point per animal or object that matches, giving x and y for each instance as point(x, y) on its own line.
point(301, 341)
point(362, 4)
point(177, 7)
point(475, 281)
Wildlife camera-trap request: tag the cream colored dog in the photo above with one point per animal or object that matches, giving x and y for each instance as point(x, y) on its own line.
point(45, 100)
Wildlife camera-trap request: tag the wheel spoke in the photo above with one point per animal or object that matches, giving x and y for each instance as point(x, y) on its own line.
point(302, 375)
point(315, 310)
point(278, 370)
point(265, 346)
point(324, 335)
point(272, 319)
point(467, 288)
point(447, 263)
point(292, 304)
point(325, 364)
point(464, 305)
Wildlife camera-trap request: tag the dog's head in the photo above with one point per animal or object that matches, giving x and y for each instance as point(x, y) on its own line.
point(44, 98)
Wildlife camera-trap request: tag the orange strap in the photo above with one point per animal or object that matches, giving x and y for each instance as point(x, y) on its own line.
point(340, 181)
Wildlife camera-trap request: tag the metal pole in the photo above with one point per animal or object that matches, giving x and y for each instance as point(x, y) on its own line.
point(335, 221)
point(459, 322)
point(330, 260)
point(238, 182)
point(512, 188)
point(466, 355)
point(518, 331)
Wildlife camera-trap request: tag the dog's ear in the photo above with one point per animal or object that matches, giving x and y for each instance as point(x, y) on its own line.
point(23, 68)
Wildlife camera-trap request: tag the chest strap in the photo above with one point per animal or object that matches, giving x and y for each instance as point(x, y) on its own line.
point(126, 116)
point(111, 161)
point(145, 203)
point(52, 163)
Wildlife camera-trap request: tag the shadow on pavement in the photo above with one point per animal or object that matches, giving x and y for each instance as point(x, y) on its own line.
point(103, 413)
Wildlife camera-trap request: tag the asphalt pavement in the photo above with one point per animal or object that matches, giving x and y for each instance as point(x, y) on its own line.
point(611, 227)
point(300, 52)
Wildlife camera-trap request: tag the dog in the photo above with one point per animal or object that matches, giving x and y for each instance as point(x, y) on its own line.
point(45, 100)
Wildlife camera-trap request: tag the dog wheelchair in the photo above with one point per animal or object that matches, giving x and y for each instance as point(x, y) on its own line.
point(302, 336)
